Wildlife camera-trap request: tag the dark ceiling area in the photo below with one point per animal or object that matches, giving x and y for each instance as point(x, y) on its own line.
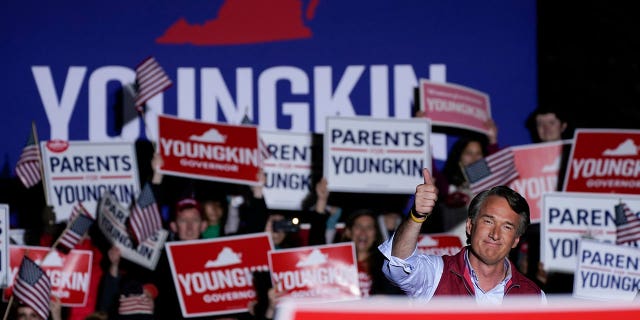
point(589, 61)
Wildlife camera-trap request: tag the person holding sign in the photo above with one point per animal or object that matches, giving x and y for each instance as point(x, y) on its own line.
point(546, 124)
point(452, 184)
point(464, 152)
point(362, 228)
point(496, 220)
point(187, 223)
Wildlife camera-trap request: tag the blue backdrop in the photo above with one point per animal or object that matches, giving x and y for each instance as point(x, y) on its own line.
point(290, 63)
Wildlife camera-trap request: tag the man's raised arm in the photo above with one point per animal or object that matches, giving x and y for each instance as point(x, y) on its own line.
point(406, 237)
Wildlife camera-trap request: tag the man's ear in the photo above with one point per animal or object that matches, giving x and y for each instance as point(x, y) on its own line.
point(469, 226)
point(203, 226)
point(173, 226)
point(515, 242)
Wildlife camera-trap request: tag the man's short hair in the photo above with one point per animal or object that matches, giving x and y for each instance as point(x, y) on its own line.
point(517, 203)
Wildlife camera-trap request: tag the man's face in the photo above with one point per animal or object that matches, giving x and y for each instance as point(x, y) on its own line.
point(549, 127)
point(188, 225)
point(494, 232)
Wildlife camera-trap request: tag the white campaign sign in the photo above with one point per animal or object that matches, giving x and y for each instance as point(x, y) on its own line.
point(371, 155)
point(112, 217)
point(82, 171)
point(569, 216)
point(4, 245)
point(288, 169)
point(607, 271)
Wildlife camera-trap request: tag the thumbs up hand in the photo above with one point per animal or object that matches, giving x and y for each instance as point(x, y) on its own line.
point(426, 195)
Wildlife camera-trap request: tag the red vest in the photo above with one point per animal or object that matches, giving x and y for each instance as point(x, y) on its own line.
point(454, 281)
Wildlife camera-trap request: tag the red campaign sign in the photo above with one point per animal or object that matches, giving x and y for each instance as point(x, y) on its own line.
point(522, 308)
point(325, 271)
point(439, 244)
point(604, 161)
point(538, 167)
point(455, 106)
point(216, 276)
point(211, 151)
point(70, 274)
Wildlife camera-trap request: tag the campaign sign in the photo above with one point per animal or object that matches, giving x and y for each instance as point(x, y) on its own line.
point(454, 308)
point(210, 151)
point(215, 276)
point(607, 271)
point(70, 274)
point(112, 219)
point(604, 160)
point(4, 245)
point(454, 105)
point(288, 169)
point(569, 216)
point(439, 244)
point(538, 167)
point(371, 155)
point(324, 271)
point(81, 171)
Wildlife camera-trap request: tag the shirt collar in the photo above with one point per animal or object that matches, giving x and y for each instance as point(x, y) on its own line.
point(471, 274)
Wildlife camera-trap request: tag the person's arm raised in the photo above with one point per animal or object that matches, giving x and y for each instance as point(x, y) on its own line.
point(406, 237)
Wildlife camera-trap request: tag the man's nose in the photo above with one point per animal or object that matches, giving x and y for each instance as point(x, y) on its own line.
point(494, 234)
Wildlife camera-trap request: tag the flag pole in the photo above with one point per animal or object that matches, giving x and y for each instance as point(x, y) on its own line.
point(6, 312)
point(50, 218)
point(35, 140)
point(156, 178)
point(146, 128)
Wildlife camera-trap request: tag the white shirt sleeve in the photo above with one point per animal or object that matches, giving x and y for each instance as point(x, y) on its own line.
point(418, 275)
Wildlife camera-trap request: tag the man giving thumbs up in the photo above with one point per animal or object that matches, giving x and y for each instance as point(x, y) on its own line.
point(496, 219)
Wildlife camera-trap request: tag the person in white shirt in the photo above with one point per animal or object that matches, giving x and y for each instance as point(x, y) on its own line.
point(497, 218)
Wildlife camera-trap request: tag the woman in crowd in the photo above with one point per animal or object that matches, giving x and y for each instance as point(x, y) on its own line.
point(362, 228)
point(454, 190)
point(215, 214)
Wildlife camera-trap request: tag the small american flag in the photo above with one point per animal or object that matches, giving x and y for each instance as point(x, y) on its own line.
point(151, 80)
point(145, 219)
point(496, 169)
point(33, 287)
point(77, 210)
point(135, 304)
point(28, 166)
point(627, 224)
point(76, 229)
